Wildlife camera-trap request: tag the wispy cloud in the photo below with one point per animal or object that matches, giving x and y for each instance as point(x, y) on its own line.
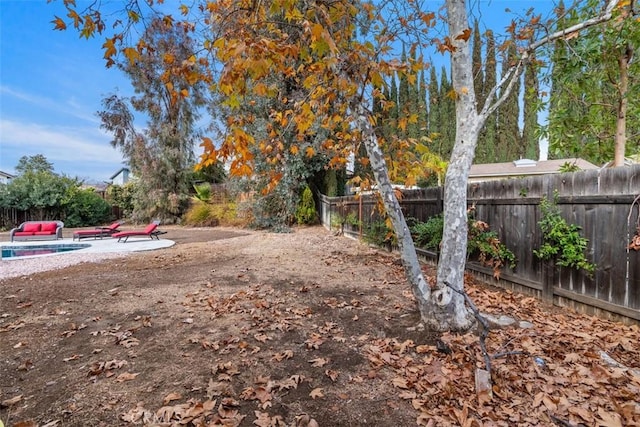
point(83, 151)
point(26, 97)
point(70, 107)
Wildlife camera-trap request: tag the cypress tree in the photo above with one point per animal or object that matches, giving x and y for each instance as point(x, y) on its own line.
point(423, 120)
point(508, 140)
point(403, 89)
point(388, 128)
point(394, 111)
point(403, 99)
point(433, 114)
point(529, 145)
point(414, 104)
point(447, 116)
point(490, 131)
point(478, 76)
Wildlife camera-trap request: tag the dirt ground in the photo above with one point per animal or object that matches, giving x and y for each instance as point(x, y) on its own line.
point(247, 328)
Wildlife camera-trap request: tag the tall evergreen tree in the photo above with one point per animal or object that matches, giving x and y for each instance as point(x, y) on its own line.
point(394, 111)
point(530, 146)
point(508, 140)
point(414, 105)
point(403, 88)
point(423, 119)
point(447, 115)
point(557, 100)
point(404, 100)
point(388, 122)
point(433, 104)
point(490, 130)
point(478, 75)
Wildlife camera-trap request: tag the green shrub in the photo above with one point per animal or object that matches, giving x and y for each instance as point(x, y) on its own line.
point(380, 234)
point(227, 214)
point(481, 242)
point(428, 235)
point(200, 214)
point(306, 211)
point(490, 250)
point(86, 208)
point(561, 241)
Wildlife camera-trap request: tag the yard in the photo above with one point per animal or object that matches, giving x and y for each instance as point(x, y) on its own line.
point(241, 328)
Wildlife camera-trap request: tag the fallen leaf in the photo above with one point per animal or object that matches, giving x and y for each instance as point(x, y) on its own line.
point(408, 395)
point(72, 357)
point(126, 376)
point(400, 382)
point(316, 392)
point(608, 419)
point(582, 413)
point(263, 395)
point(287, 354)
point(171, 396)
point(305, 420)
point(331, 374)
point(319, 362)
point(129, 342)
point(12, 401)
point(261, 337)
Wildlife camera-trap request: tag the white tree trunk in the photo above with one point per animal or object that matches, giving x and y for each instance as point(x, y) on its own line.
point(448, 305)
point(621, 121)
point(413, 271)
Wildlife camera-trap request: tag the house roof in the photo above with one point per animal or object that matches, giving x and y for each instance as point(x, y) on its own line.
point(7, 175)
point(525, 167)
point(119, 172)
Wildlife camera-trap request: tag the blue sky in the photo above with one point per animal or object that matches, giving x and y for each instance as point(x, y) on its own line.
point(52, 83)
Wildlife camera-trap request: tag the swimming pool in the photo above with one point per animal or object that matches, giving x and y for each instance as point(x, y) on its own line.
point(32, 250)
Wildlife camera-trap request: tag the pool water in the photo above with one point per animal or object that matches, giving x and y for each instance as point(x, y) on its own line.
point(22, 251)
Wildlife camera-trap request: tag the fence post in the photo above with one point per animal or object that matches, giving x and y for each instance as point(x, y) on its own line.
point(360, 217)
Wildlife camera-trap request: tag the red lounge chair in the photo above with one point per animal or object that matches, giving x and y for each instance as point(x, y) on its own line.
point(150, 230)
point(98, 232)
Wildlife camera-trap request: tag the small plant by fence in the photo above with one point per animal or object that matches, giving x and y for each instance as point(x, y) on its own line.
point(599, 203)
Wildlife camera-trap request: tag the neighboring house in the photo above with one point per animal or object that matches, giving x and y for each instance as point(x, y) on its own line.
point(523, 167)
point(99, 188)
point(5, 178)
point(121, 177)
point(628, 161)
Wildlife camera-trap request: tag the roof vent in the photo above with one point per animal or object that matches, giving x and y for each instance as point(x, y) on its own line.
point(524, 163)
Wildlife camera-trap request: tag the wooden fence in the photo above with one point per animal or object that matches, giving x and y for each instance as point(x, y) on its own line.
point(600, 201)
point(11, 217)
